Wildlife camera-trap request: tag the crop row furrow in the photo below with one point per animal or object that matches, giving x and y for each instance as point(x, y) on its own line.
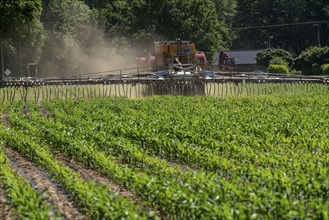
point(105, 137)
point(271, 153)
point(95, 200)
point(125, 152)
point(151, 188)
point(170, 197)
point(25, 201)
point(42, 182)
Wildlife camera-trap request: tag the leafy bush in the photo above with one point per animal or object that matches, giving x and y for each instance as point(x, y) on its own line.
point(325, 69)
point(265, 56)
point(296, 72)
point(310, 56)
point(277, 68)
point(279, 61)
point(315, 69)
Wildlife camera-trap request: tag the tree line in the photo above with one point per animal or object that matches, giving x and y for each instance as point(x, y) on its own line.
point(62, 35)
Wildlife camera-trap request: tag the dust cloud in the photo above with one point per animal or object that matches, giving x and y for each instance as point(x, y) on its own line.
point(91, 52)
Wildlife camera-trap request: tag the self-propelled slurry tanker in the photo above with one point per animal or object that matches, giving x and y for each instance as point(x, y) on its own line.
point(178, 57)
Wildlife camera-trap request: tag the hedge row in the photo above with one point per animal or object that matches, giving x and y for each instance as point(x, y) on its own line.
point(312, 61)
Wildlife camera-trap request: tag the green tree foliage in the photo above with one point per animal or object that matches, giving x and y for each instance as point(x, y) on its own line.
point(225, 10)
point(65, 16)
point(275, 12)
point(21, 32)
point(141, 22)
point(66, 22)
point(325, 69)
point(17, 16)
point(125, 23)
point(311, 56)
point(194, 20)
point(266, 56)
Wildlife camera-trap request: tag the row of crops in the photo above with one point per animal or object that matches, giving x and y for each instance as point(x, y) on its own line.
point(257, 157)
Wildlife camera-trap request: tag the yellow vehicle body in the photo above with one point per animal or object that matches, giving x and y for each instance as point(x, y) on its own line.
point(168, 51)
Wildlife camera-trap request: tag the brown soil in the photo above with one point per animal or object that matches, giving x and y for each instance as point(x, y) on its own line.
point(5, 212)
point(89, 174)
point(5, 120)
point(44, 111)
point(31, 173)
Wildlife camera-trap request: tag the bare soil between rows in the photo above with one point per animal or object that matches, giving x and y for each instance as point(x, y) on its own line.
point(90, 174)
point(43, 183)
point(5, 211)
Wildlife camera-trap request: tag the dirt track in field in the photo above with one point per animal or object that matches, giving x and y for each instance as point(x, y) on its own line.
point(5, 120)
point(89, 174)
point(5, 212)
point(41, 182)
